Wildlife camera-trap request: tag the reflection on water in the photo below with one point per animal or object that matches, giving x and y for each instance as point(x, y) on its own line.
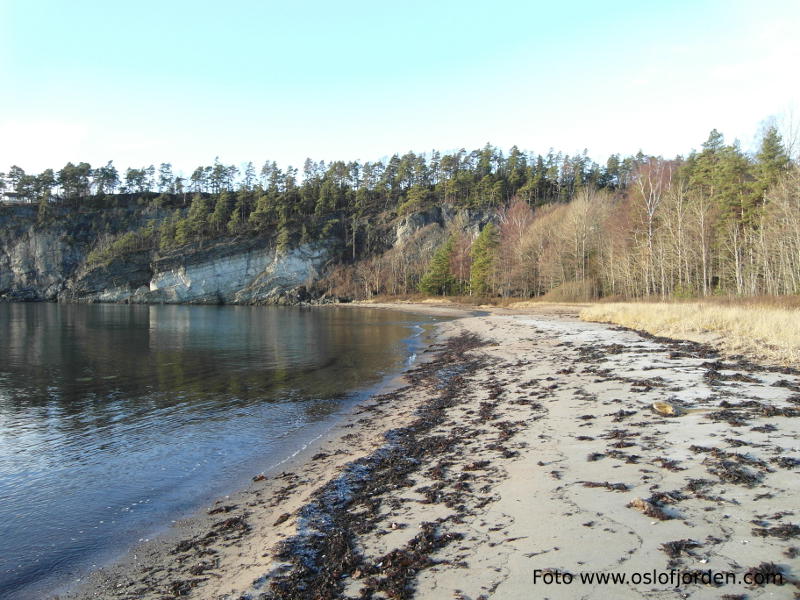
point(114, 419)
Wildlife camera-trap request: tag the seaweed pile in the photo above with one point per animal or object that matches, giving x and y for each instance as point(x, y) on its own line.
point(324, 553)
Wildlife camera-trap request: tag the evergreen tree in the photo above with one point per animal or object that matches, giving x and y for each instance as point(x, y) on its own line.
point(166, 180)
point(438, 280)
point(183, 232)
point(43, 210)
point(167, 234)
point(733, 183)
point(240, 213)
point(264, 215)
point(44, 183)
point(772, 161)
point(197, 218)
point(722, 174)
point(198, 180)
point(150, 174)
point(74, 180)
point(222, 212)
point(483, 255)
point(106, 179)
point(135, 181)
point(249, 179)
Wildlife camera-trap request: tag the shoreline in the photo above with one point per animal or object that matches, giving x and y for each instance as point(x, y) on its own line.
point(157, 550)
point(518, 442)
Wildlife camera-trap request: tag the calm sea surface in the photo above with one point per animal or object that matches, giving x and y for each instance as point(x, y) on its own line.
point(115, 420)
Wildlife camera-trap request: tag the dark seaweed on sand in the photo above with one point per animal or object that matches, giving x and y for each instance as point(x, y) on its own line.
point(324, 554)
point(678, 547)
point(785, 532)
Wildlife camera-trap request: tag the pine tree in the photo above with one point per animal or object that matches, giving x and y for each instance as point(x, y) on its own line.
point(733, 182)
point(182, 232)
point(483, 254)
point(167, 234)
point(240, 213)
point(438, 280)
point(722, 173)
point(197, 218)
point(704, 175)
point(222, 211)
point(771, 161)
point(264, 215)
point(43, 210)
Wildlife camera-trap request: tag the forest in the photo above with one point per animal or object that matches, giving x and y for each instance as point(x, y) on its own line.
point(719, 221)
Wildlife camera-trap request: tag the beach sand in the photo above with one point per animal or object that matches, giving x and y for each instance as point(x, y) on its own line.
point(522, 450)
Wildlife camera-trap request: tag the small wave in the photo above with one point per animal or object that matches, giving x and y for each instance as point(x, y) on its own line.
point(296, 452)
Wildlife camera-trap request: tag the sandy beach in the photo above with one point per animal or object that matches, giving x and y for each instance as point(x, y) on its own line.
point(519, 458)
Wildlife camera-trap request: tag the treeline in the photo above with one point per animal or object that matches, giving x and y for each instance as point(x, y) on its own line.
point(483, 177)
point(717, 221)
point(340, 202)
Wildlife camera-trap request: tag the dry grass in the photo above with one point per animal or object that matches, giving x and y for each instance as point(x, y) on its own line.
point(761, 331)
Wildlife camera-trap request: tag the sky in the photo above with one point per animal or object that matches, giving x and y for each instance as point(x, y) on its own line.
point(144, 82)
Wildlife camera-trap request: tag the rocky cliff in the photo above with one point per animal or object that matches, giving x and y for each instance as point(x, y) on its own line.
point(230, 272)
point(47, 260)
point(443, 218)
point(36, 261)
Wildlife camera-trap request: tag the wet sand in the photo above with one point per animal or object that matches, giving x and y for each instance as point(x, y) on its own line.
point(522, 444)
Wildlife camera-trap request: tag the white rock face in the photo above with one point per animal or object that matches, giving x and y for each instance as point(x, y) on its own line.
point(298, 267)
point(49, 262)
point(248, 277)
point(217, 279)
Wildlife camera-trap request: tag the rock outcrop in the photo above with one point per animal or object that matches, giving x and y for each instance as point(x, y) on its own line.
point(250, 272)
point(445, 217)
point(49, 262)
point(34, 261)
point(47, 259)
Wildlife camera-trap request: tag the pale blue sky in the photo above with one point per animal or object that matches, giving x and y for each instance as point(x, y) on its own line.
point(144, 82)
